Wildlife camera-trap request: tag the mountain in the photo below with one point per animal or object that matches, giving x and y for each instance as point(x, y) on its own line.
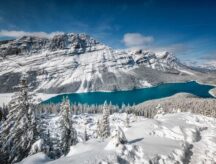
point(79, 63)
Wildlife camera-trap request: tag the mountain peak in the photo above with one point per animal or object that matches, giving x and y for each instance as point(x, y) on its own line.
point(75, 43)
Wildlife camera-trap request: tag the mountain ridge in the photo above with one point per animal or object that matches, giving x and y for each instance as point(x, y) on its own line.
point(78, 63)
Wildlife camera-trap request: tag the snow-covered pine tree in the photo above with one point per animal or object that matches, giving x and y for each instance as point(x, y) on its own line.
point(119, 136)
point(98, 130)
point(1, 115)
point(19, 130)
point(127, 121)
point(48, 146)
point(69, 134)
point(85, 137)
point(3, 112)
point(123, 107)
point(110, 107)
point(104, 123)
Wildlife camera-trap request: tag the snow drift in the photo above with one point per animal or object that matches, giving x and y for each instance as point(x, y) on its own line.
point(169, 138)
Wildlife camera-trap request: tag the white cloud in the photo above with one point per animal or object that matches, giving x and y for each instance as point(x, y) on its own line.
point(17, 34)
point(179, 48)
point(132, 40)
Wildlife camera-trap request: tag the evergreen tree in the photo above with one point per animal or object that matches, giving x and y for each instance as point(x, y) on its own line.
point(98, 130)
point(19, 130)
point(85, 137)
point(119, 137)
point(104, 124)
point(69, 134)
point(3, 112)
point(127, 121)
point(123, 107)
point(48, 146)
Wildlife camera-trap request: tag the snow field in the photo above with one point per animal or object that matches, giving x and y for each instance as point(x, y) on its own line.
point(169, 138)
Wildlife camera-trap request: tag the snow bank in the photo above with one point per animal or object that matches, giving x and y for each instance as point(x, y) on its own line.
point(169, 138)
point(36, 159)
point(213, 92)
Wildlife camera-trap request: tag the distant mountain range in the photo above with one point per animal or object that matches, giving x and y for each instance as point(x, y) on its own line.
point(78, 63)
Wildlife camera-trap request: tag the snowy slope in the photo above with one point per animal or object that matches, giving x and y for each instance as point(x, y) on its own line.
point(78, 63)
point(213, 92)
point(170, 138)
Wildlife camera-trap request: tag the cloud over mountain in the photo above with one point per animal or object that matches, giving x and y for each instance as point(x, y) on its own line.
point(137, 40)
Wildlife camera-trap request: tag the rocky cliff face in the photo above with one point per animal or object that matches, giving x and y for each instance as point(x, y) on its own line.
point(76, 43)
point(79, 63)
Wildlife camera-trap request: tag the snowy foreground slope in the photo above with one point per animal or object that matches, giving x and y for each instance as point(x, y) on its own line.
point(78, 63)
point(169, 138)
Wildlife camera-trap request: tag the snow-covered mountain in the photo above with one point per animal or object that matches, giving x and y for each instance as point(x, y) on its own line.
point(78, 63)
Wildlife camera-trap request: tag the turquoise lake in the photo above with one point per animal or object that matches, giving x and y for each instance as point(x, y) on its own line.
point(136, 96)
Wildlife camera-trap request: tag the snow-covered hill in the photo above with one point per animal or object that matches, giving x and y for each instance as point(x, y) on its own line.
point(169, 138)
point(78, 63)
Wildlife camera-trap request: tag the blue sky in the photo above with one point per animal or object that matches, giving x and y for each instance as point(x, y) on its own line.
point(185, 27)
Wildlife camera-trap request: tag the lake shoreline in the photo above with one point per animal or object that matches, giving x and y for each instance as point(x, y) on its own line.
point(43, 97)
point(136, 96)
